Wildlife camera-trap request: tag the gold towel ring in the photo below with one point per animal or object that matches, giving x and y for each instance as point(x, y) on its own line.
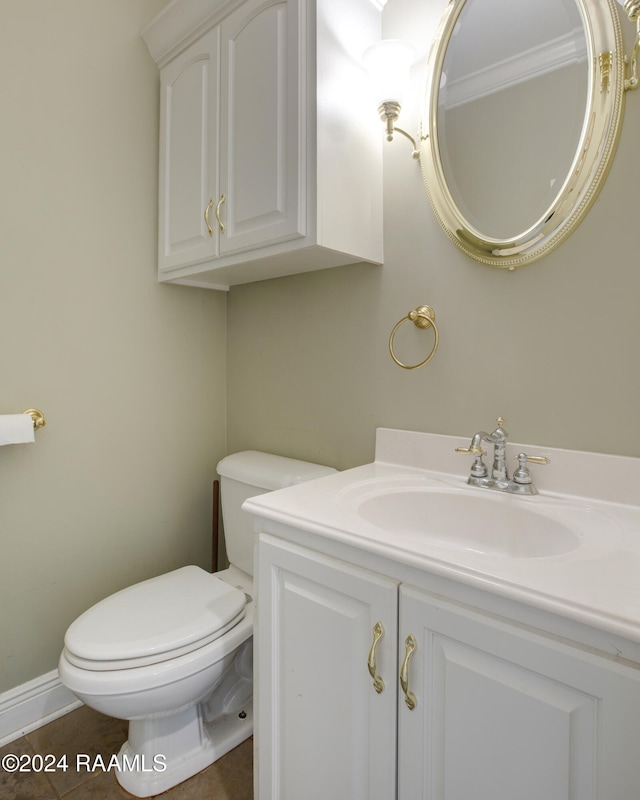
point(422, 317)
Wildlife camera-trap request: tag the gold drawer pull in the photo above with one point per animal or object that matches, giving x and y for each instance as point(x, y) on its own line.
point(206, 217)
point(378, 633)
point(409, 697)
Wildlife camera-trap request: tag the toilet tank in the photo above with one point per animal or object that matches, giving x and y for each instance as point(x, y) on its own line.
point(247, 474)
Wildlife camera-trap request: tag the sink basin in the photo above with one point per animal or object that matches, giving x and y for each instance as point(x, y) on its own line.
point(480, 521)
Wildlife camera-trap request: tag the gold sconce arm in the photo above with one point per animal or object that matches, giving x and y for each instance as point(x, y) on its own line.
point(415, 153)
point(388, 63)
point(632, 78)
point(389, 113)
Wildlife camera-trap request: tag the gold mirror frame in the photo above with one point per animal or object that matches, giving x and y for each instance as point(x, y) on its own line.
point(603, 118)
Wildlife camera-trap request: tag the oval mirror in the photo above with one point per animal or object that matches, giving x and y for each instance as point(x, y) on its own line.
point(525, 102)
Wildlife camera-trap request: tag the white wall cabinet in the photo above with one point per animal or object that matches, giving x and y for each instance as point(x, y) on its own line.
point(189, 167)
point(270, 153)
point(502, 711)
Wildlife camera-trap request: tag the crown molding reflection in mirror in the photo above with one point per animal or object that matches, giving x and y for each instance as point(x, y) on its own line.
point(512, 205)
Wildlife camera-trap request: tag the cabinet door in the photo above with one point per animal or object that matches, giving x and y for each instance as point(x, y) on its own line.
point(188, 176)
point(261, 141)
point(323, 731)
point(505, 713)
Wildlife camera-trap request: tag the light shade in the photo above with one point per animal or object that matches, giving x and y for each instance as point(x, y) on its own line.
point(388, 63)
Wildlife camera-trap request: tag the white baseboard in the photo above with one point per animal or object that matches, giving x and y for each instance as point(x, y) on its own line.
point(32, 705)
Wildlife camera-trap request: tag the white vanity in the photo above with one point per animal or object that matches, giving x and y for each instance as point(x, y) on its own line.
point(420, 638)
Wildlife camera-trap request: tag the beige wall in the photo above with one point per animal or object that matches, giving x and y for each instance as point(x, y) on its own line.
point(553, 347)
point(129, 374)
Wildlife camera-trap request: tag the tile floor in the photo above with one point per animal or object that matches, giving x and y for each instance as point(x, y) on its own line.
point(87, 732)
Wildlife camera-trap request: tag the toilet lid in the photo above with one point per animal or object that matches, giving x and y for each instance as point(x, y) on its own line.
point(154, 620)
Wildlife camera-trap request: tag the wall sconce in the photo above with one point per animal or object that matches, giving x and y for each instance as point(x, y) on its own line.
point(389, 63)
point(632, 10)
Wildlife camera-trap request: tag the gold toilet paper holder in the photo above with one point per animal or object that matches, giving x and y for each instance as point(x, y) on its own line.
point(37, 416)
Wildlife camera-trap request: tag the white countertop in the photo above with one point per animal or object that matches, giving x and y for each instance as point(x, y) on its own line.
point(598, 583)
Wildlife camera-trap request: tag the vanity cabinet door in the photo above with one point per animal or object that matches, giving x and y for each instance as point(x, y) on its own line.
point(323, 731)
point(503, 712)
point(188, 175)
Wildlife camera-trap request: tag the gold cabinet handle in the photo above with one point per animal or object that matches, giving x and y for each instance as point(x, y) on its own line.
point(378, 633)
point(206, 217)
point(409, 697)
point(220, 222)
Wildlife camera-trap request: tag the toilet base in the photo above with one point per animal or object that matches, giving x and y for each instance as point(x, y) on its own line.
point(183, 744)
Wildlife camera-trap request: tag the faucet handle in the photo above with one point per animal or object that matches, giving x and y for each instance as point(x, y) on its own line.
point(478, 468)
point(472, 450)
point(534, 459)
point(522, 474)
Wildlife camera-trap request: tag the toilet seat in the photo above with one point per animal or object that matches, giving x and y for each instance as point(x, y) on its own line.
point(155, 620)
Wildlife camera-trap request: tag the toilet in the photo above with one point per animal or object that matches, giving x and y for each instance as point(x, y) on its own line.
point(174, 654)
